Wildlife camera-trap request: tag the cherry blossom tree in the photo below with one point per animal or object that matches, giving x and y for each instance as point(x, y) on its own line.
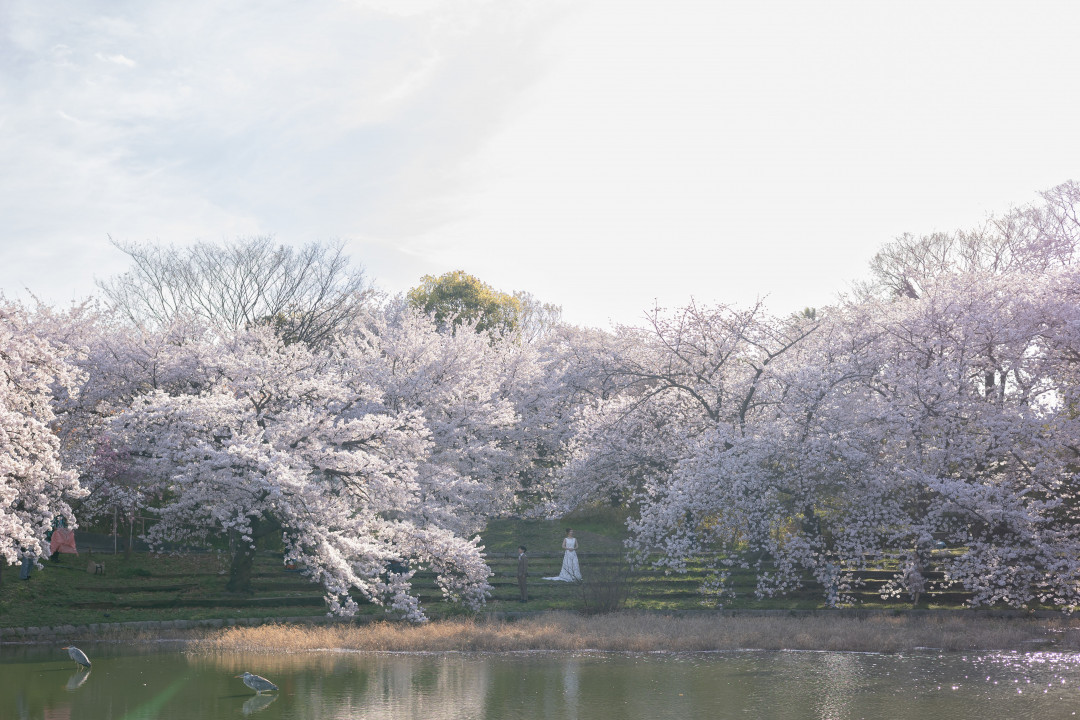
point(833, 444)
point(978, 376)
point(1034, 238)
point(35, 487)
point(284, 439)
point(942, 418)
point(798, 445)
point(117, 361)
point(697, 380)
point(547, 378)
point(452, 382)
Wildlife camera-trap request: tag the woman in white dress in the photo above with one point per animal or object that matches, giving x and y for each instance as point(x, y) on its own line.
point(571, 571)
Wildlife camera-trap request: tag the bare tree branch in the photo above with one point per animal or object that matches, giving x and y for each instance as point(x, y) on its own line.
point(307, 294)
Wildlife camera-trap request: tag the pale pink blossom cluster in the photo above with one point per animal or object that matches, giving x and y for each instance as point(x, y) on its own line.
point(939, 407)
point(372, 456)
point(35, 487)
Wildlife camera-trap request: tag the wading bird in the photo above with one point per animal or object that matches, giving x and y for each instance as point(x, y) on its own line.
point(77, 655)
point(257, 683)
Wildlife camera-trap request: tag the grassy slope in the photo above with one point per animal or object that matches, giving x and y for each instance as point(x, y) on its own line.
point(192, 587)
point(148, 587)
point(600, 538)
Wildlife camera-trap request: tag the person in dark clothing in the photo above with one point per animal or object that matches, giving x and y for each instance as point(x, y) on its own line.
point(523, 573)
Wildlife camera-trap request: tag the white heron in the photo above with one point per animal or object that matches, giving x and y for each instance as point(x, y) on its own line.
point(257, 683)
point(77, 655)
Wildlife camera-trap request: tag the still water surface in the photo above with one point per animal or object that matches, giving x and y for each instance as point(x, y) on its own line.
point(125, 684)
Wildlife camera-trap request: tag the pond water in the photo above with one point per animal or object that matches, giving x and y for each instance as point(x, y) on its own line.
point(127, 684)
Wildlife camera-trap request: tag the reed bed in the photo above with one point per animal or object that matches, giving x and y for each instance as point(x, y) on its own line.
point(641, 632)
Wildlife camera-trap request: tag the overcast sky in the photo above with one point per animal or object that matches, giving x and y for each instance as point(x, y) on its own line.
point(602, 154)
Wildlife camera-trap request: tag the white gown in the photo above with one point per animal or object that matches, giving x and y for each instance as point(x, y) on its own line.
point(571, 571)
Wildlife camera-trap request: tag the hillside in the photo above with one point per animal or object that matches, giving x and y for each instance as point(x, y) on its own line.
point(192, 586)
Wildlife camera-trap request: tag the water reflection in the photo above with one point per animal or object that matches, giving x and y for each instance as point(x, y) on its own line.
point(554, 686)
point(77, 679)
point(257, 703)
point(382, 687)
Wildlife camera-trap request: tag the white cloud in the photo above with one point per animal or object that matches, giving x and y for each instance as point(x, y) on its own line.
point(116, 59)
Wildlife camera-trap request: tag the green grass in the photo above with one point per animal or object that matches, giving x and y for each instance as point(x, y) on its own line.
point(544, 537)
point(192, 587)
point(145, 587)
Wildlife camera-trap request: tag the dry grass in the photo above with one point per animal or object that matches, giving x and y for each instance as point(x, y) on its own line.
point(631, 632)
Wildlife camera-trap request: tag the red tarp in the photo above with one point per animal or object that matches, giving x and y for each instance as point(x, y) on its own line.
point(63, 540)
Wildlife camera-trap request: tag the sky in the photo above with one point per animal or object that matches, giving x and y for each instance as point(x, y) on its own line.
point(604, 155)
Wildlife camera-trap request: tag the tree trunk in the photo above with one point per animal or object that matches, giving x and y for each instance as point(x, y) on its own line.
point(131, 533)
point(243, 559)
point(240, 569)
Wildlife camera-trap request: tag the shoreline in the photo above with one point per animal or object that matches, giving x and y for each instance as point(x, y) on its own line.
point(885, 631)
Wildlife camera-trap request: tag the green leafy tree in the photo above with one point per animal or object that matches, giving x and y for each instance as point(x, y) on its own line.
point(456, 297)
